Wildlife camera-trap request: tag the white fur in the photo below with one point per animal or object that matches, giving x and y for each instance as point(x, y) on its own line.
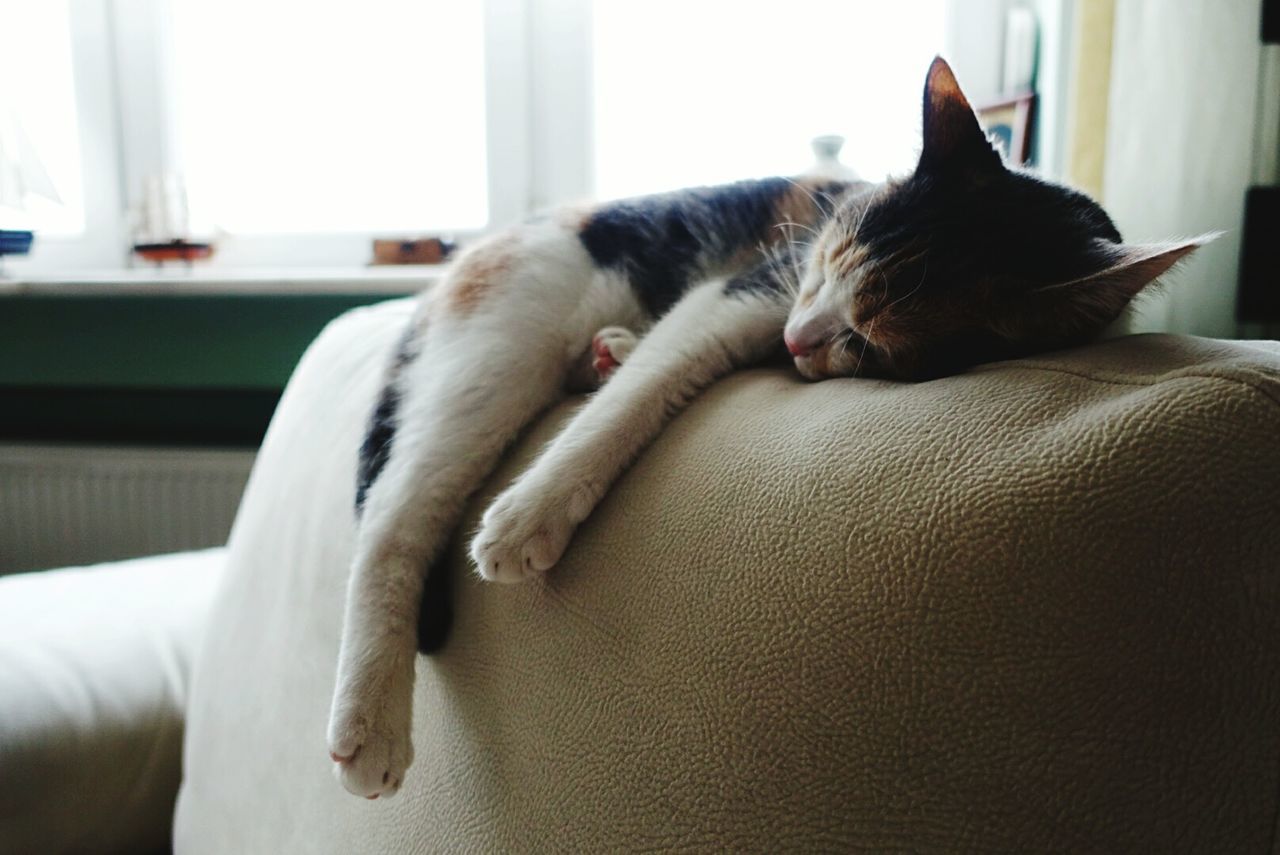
point(706, 335)
point(481, 376)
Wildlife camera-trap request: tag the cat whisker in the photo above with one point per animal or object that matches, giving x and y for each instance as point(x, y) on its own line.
point(805, 190)
point(845, 347)
point(783, 266)
point(866, 341)
point(913, 290)
point(897, 261)
point(827, 204)
point(862, 215)
point(792, 224)
point(795, 269)
point(780, 276)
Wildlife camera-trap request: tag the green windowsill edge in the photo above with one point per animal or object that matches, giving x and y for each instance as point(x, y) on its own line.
point(173, 369)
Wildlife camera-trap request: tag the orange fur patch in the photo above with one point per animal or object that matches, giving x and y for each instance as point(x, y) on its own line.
point(746, 258)
point(479, 271)
point(796, 217)
point(796, 205)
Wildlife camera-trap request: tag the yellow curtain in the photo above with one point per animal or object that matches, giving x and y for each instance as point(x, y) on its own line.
point(1090, 84)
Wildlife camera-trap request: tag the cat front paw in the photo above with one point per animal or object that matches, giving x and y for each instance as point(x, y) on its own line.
point(370, 740)
point(524, 533)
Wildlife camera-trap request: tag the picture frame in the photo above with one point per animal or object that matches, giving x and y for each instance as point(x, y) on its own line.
point(1008, 121)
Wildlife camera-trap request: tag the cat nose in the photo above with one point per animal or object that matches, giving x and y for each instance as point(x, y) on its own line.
point(798, 348)
point(805, 335)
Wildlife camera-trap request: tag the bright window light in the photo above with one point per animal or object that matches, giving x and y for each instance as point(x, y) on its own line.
point(39, 140)
point(298, 116)
point(701, 91)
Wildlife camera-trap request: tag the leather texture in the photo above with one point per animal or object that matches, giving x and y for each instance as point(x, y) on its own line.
point(95, 667)
point(1030, 608)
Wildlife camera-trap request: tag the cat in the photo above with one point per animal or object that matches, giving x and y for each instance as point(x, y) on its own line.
point(964, 261)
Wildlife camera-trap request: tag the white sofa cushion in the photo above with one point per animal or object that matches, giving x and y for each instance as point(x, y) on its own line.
point(94, 668)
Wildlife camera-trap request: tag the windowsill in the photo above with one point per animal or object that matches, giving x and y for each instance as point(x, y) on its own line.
point(198, 281)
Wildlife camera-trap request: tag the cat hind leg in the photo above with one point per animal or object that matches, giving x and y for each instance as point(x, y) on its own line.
point(502, 334)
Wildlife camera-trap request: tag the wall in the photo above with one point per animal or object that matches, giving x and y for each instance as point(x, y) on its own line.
point(1184, 85)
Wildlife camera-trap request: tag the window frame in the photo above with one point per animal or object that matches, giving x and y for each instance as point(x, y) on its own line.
point(537, 114)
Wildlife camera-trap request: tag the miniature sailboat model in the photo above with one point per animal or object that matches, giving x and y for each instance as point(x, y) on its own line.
point(21, 171)
point(22, 176)
point(163, 222)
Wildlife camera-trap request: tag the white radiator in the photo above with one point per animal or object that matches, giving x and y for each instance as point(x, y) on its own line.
point(62, 505)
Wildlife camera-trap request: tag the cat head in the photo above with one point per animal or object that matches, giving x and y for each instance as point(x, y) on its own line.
point(964, 261)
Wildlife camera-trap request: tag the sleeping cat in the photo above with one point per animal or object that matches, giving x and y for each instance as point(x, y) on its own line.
point(962, 262)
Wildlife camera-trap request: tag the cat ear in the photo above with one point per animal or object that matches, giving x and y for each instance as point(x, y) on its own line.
point(953, 140)
point(1098, 298)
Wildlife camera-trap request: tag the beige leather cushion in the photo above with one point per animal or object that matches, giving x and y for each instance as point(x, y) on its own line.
point(95, 669)
point(1033, 607)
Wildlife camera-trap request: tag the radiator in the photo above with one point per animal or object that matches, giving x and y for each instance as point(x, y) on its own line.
point(63, 505)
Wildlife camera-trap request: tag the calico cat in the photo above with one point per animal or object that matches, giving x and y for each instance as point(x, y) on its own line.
point(962, 262)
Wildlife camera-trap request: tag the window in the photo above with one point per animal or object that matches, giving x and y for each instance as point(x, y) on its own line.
point(300, 117)
point(669, 112)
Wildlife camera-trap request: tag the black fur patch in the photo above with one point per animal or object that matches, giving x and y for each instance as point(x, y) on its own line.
point(1012, 225)
point(376, 448)
point(435, 612)
point(665, 242)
